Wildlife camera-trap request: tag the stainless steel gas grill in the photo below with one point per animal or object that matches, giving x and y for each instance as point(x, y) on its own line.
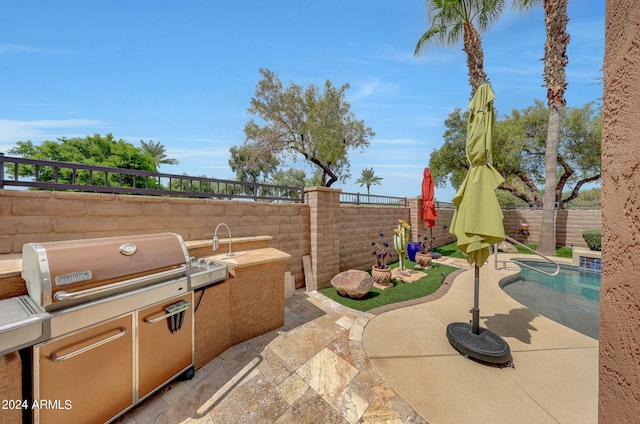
point(65, 273)
point(110, 321)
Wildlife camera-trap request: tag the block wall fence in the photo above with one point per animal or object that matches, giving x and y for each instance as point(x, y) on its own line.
point(337, 236)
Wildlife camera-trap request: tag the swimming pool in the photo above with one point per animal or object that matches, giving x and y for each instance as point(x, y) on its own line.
point(571, 298)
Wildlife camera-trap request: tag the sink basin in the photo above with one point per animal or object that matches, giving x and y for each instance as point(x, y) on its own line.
point(204, 273)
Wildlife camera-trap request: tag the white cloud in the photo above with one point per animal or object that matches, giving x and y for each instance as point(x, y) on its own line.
point(396, 141)
point(216, 152)
point(6, 48)
point(43, 129)
point(370, 87)
point(434, 54)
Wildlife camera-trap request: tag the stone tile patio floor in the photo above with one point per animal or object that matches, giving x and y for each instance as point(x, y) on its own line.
point(312, 370)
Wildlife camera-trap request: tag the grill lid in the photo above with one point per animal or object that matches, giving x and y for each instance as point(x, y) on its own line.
point(57, 271)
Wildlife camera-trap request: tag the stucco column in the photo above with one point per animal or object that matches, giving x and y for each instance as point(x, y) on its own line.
point(10, 387)
point(324, 216)
point(415, 217)
point(619, 394)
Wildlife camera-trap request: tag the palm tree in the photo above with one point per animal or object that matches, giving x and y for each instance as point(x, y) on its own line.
point(368, 178)
point(555, 61)
point(451, 19)
point(157, 152)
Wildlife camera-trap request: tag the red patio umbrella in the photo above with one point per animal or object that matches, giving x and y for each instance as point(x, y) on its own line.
point(429, 213)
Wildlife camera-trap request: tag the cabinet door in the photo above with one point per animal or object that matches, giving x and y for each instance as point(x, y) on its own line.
point(85, 377)
point(163, 354)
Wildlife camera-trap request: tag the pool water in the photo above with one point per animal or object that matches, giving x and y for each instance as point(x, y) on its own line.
point(571, 298)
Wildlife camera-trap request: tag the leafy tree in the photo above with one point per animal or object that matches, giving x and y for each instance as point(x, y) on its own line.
point(157, 152)
point(452, 19)
point(91, 150)
point(519, 148)
point(249, 166)
point(291, 177)
point(591, 195)
point(450, 160)
point(316, 125)
point(555, 61)
point(368, 178)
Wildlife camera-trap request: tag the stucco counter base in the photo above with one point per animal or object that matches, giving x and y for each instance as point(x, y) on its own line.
point(248, 304)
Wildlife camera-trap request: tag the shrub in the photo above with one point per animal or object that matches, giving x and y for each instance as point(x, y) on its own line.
point(593, 239)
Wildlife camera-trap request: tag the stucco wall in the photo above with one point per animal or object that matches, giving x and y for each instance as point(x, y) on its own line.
point(10, 387)
point(337, 236)
point(620, 292)
point(41, 216)
point(360, 226)
point(569, 225)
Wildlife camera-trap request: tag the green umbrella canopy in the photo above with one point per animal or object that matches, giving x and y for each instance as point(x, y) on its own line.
point(477, 221)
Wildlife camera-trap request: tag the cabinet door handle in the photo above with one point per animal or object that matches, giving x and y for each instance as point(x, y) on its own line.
point(56, 358)
point(170, 314)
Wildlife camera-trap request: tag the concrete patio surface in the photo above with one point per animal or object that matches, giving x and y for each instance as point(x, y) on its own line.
point(555, 379)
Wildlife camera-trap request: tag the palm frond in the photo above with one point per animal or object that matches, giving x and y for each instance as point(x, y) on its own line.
point(525, 6)
point(426, 39)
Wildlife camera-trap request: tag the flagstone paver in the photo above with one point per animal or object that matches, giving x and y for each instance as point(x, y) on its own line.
point(312, 370)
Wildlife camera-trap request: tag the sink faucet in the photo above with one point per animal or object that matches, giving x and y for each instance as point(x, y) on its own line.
point(216, 242)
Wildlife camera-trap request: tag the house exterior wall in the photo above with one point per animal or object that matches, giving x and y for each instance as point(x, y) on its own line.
point(619, 394)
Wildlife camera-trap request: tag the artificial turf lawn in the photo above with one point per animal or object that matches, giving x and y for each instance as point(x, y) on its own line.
point(400, 291)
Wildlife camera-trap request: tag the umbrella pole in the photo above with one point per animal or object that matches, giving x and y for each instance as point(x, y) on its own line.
point(476, 295)
point(483, 345)
point(434, 254)
point(431, 237)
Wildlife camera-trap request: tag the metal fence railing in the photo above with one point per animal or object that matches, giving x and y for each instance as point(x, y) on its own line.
point(444, 205)
point(51, 175)
point(377, 200)
point(596, 204)
point(372, 199)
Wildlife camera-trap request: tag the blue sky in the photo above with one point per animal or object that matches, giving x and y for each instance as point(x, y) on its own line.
point(182, 73)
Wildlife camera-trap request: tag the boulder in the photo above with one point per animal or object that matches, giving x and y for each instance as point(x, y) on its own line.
point(352, 283)
point(507, 247)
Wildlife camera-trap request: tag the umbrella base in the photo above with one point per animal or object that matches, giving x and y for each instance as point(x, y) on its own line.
point(486, 346)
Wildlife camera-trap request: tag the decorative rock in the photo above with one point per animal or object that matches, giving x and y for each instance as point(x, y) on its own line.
point(352, 283)
point(507, 247)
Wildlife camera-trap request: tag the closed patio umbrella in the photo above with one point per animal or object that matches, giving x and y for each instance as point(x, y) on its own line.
point(477, 224)
point(429, 213)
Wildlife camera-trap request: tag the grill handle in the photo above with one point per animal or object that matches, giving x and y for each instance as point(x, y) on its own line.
point(63, 295)
point(56, 358)
point(170, 314)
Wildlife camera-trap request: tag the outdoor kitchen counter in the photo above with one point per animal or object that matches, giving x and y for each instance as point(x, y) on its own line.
point(11, 283)
point(250, 258)
point(246, 305)
point(200, 248)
